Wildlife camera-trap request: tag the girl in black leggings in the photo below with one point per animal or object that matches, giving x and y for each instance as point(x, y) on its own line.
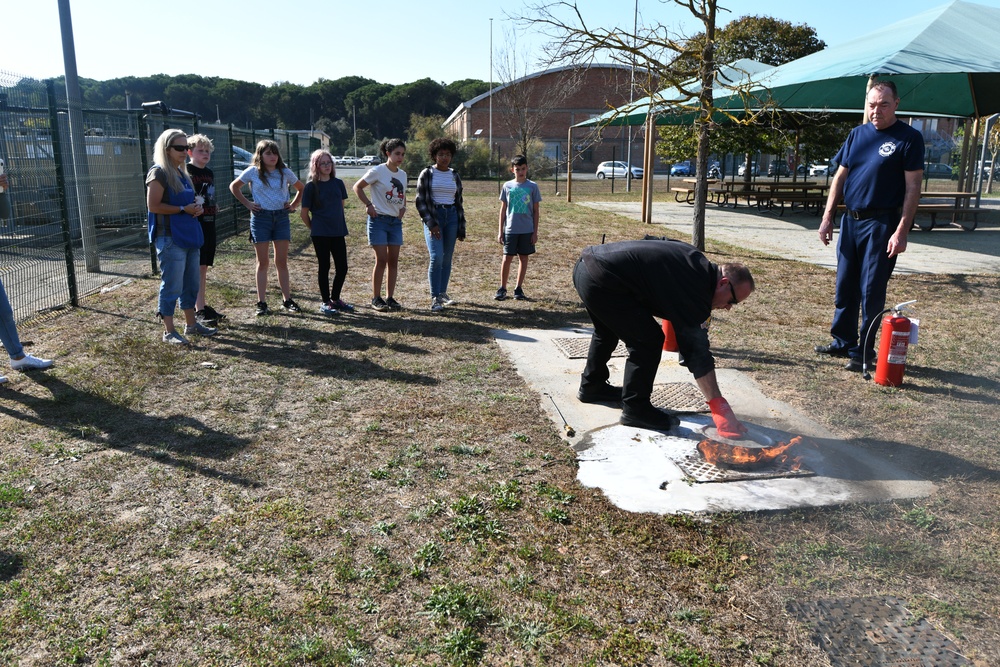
point(323, 213)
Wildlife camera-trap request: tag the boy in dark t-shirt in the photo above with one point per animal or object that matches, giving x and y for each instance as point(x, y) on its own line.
point(200, 150)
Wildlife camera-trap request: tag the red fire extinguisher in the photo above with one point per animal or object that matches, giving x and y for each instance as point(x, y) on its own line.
point(669, 338)
point(896, 333)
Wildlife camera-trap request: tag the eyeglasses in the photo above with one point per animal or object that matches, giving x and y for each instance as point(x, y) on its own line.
point(179, 148)
point(734, 300)
point(325, 164)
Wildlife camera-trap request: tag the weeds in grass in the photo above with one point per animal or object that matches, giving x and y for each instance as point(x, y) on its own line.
point(507, 496)
point(546, 490)
point(463, 647)
point(457, 602)
point(921, 518)
point(384, 528)
point(556, 515)
point(626, 649)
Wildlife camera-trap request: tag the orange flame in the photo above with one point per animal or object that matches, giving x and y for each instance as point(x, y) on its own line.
point(748, 457)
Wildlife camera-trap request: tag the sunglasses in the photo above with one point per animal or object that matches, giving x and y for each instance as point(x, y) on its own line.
point(734, 300)
point(179, 148)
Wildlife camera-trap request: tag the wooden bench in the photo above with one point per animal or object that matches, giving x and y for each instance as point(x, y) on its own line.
point(687, 192)
point(959, 212)
point(714, 195)
point(934, 210)
point(761, 199)
point(815, 201)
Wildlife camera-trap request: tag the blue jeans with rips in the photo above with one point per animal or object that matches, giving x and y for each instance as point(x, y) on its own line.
point(441, 249)
point(180, 276)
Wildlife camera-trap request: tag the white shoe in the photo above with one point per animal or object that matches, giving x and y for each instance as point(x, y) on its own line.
point(446, 300)
point(2, 379)
point(174, 338)
point(436, 305)
point(29, 362)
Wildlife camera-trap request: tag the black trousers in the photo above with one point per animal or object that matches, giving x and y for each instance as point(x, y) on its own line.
point(617, 317)
point(326, 247)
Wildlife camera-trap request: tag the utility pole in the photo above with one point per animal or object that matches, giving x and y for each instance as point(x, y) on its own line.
point(78, 149)
point(491, 93)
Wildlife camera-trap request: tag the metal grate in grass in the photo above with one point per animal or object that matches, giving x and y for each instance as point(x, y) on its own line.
point(577, 348)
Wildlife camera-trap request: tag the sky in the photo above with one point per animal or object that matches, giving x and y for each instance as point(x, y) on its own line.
point(394, 42)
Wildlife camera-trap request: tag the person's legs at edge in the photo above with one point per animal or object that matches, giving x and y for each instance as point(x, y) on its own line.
point(449, 237)
point(189, 285)
point(8, 331)
point(522, 270)
point(505, 270)
point(876, 268)
point(847, 293)
point(171, 260)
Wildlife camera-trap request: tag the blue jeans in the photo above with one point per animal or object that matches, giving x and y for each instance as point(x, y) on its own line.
point(8, 332)
point(180, 275)
point(441, 249)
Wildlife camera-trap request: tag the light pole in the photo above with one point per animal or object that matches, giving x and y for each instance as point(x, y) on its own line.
point(491, 93)
point(354, 120)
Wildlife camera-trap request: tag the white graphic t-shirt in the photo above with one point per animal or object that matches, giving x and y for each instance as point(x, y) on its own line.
point(388, 189)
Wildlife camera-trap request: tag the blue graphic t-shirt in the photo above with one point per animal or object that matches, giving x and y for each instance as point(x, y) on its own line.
point(877, 161)
point(521, 199)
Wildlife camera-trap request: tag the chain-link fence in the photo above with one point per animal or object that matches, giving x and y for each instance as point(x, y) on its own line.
point(73, 217)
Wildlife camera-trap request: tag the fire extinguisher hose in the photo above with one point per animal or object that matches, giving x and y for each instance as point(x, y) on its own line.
point(869, 341)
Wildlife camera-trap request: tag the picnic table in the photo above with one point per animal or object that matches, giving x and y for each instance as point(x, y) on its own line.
point(956, 204)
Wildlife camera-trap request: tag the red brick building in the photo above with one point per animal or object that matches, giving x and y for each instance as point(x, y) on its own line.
point(544, 105)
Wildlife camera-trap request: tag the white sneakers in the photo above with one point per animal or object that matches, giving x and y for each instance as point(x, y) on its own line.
point(29, 362)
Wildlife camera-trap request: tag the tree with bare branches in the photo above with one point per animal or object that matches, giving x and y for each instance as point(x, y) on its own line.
point(667, 61)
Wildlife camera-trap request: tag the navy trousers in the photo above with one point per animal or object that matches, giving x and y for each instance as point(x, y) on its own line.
point(863, 270)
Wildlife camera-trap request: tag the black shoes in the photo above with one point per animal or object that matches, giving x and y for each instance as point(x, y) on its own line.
point(602, 393)
point(854, 365)
point(650, 418)
point(831, 350)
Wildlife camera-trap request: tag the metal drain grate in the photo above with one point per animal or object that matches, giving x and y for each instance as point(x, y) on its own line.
point(870, 632)
point(699, 470)
point(678, 397)
point(577, 348)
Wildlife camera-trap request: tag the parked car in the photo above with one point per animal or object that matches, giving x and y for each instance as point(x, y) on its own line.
point(617, 170)
point(369, 160)
point(821, 169)
point(936, 170)
point(778, 168)
point(241, 160)
point(987, 168)
point(682, 169)
point(347, 160)
point(754, 171)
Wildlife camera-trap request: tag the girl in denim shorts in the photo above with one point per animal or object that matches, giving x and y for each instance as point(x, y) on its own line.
point(385, 209)
point(269, 180)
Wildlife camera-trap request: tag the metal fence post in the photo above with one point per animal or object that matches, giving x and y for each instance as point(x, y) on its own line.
point(61, 190)
point(143, 156)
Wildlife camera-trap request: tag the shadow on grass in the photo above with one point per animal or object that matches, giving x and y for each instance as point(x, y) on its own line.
point(962, 386)
point(167, 440)
point(10, 565)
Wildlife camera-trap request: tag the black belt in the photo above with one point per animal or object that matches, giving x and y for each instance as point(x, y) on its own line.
point(869, 213)
point(444, 205)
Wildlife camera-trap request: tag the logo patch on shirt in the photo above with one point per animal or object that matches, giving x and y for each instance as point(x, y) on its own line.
point(887, 149)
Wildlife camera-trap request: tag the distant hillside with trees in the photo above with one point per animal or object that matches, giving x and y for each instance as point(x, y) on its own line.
point(380, 110)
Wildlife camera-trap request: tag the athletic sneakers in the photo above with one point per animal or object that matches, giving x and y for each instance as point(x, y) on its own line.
point(501, 294)
point(519, 294)
point(328, 309)
point(291, 306)
point(340, 304)
point(209, 316)
point(393, 304)
point(174, 338)
point(446, 300)
point(29, 362)
point(436, 305)
point(262, 309)
point(199, 329)
point(2, 379)
point(379, 305)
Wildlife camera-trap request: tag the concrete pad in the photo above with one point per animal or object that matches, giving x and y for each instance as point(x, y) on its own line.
point(634, 467)
point(796, 236)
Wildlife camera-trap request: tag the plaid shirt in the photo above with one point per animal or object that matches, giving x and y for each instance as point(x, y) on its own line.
point(425, 201)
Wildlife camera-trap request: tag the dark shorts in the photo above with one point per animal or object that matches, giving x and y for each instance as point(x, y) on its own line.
point(207, 256)
point(518, 244)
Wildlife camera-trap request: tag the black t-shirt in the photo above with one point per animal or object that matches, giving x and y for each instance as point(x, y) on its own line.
point(204, 187)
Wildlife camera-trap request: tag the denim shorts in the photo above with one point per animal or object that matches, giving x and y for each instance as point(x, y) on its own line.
point(267, 226)
point(385, 230)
